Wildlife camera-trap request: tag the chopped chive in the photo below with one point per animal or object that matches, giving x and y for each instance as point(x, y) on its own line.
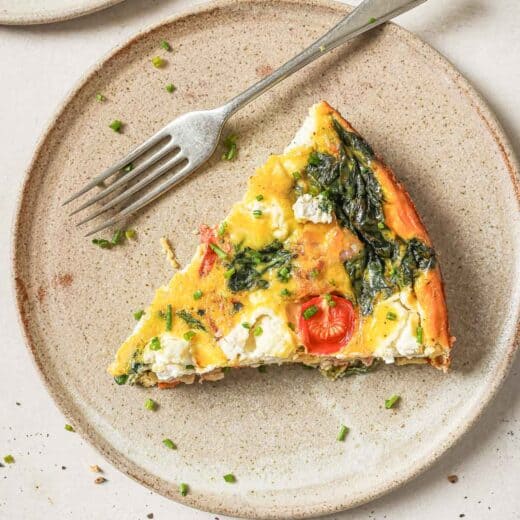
point(170, 87)
point(128, 168)
point(262, 369)
point(158, 62)
point(389, 403)
point(169, 317)
point(117, 237)
point(284, 274)
point(380, 225)
point(291, 325)
point(197, 295)
point(121, 380)
point(230, 478)
point(190, 367)
point(116, 125)
point(392, 316)
point(165, 45)
point(150, 404)
point(183, 489)
point(161, 314)
point(169, 444)
point(220, 252)
point(9, 459)
point(372, 20)
point(155, 343)
point(246, 325)
point(257, 213)
point(102, 243)
point(259, 197)
point(222, 228)
point(188, 336)
point(285, 292)
point(314, 273)
point(342, 434)
point(330, 300)
point(230, 142)
point(314, 191)
point(130, 234)
point(69, 428)
point(229, 273)
point(297, 176)
point(322, 48)
point(419, 334)
point(100, 97)
point(309, 312)
point(258, 331)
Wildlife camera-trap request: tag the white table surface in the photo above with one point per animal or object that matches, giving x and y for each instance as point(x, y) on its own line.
point(51, 477)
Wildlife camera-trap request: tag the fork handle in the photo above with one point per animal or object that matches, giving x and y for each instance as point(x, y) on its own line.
point(369, 14)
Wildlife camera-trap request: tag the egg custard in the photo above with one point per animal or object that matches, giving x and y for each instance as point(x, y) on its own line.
point(324, 262)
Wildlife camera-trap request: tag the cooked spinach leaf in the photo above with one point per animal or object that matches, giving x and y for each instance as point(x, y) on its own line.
point(191, 320)
point(249, 265)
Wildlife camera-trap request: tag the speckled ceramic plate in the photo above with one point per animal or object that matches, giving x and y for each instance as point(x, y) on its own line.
point(26, 12)
point(275, 431)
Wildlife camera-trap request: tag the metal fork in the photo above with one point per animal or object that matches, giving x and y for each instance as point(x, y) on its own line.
point(191, 139)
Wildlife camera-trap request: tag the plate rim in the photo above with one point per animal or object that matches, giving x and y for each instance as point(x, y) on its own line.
point(493, 127)
point(58, 15)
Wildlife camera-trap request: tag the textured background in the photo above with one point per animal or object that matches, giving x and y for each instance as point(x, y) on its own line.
point(39, 65)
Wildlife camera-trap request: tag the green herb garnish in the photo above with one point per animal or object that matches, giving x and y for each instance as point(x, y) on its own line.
point(69, 428)
point(229, 273)
point(183, 489)
point(169, 444)
point(100, 97)
point(165, 45)
point(230, 478)
point(102, 243)
point(389, 403)
point(392, 316)
point(128, 168)
point(309, 312)
point(158, 62)
point(258, 331)
point(222, 228)
point(297, 176)
point(155, 343)
point(314, 273)
point(130, 234)
point(197, 295)
point(170, 87)
point(342, 434)
point(117, 237)
point(419, 335)
point(291, 325)
point(188, 336)
point(330, 300)
point(150, 404)
point(116, 125)
point(372, 20)
point(220, 252)
point(190, 367)
point(257, 213)
point(259, 197)
point(121, 380)
point(230, 142)
point(9, 459)
point(246, 325)
point(191, 320)
point(169, 317)
point(285, 292)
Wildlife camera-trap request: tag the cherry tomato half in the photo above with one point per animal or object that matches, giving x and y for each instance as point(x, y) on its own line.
point(326, 323)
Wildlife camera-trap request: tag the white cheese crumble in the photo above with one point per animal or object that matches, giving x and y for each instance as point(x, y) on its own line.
point(311, 209)
point(243, 344)
point(171, 359)
point(402, 341)
point(303, 136)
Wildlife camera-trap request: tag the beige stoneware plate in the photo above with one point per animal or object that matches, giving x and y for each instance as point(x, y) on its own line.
point(26, 12)
point(275, 431)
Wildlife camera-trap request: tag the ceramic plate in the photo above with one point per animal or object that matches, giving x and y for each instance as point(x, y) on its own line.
point(26, 12)
point(275, 431)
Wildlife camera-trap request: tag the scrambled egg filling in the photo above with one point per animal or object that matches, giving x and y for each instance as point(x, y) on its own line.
point(221, 328)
